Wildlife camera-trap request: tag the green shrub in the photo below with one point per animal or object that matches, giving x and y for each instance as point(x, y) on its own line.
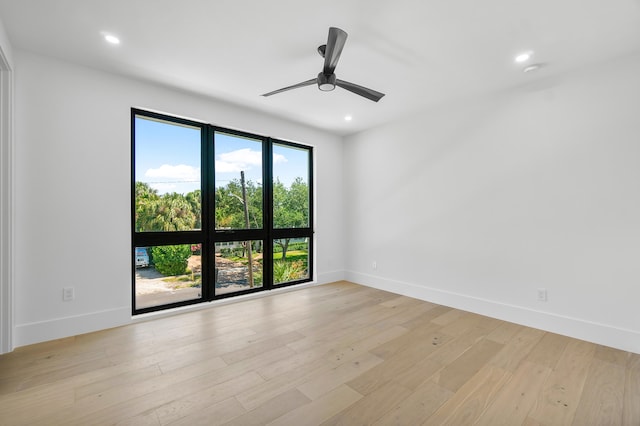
point(171, 260)
point(257, 277)
point(285, 271)
point(298, 246)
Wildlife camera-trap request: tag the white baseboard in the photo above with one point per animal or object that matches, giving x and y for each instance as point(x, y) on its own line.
point(41, 331)
point(331, 277)
point(603, 334)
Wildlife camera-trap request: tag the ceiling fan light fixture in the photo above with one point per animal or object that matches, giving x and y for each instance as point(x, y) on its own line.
point(326, 83)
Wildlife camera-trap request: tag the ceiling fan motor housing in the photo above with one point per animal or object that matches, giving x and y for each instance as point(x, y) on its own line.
point(326, 83)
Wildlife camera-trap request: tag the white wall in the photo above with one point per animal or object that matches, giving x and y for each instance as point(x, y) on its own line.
point(476, 205)
point(73, 191)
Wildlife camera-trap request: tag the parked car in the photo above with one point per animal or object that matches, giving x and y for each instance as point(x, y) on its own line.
point(142, 257)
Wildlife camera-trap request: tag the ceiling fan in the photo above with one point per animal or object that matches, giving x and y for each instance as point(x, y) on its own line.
point(326, 79)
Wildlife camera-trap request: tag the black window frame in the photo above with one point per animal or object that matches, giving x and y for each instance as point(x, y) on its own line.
point(208, 236)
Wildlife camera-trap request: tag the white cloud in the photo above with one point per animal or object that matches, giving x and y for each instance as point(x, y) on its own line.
point(238, 160)
point(180, 173)
point(227, 167)
point(243, 160)
point(279, 158)
point(243, 156)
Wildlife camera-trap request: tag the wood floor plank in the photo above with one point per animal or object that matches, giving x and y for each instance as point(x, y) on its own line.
point(417, 407)
point(450, 348)
point(372, 407)
point(272, 388)
point(400, 362)
point(23, 407)
point(115, 381)
point(514, 401)
point(510, 357)
point(257, 347)
point(406, 314)
point(196, 352)
point(548, 350)
point(504, 332)
point(631, 409)
point(271, 410)
point(49, 367)
point(318, 386)
point(215, 414)
point(320, 410)
point(426, 317)
point(347, 331)
point(292, 361)
point(611, 355)
point(419, 373)
point(397, 301)
point(472, 399)
point(460, 370)
point(51, 375)
point(467, 321)
point(602, 399)
point(448, 317)
point(428, 332)
point(201, 400)
point(563, 388)
point(148, 418)
point(344, 352)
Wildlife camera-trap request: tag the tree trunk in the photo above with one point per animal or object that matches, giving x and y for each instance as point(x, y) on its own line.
point(246, 220)
point(285, 247)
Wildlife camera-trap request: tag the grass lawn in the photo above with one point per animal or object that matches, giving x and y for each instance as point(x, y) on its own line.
point(293, 255)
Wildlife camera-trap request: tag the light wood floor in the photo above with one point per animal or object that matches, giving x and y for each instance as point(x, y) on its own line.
point(332, 354)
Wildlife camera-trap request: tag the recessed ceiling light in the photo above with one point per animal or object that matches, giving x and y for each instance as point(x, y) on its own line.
point(348, 118)
point(112, 39)
point(523, 57)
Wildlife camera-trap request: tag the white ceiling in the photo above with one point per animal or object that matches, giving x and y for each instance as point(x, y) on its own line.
point(418, 52)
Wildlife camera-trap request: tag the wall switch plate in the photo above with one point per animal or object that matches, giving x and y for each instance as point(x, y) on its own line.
point(68, 294)
point(374, 265)
point(542, 294)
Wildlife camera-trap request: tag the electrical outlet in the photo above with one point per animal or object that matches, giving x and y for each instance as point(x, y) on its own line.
point(374, 265)
point(542, 294)
point(68, 294)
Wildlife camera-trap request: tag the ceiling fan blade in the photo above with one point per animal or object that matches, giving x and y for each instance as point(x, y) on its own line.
point(360, 90)
point(335, 44)
point(295, 86)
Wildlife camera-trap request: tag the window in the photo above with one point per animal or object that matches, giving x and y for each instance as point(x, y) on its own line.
point(215, 212)
point(291, 195)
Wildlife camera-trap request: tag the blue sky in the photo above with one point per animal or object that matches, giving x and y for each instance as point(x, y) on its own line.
point(168, 158)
